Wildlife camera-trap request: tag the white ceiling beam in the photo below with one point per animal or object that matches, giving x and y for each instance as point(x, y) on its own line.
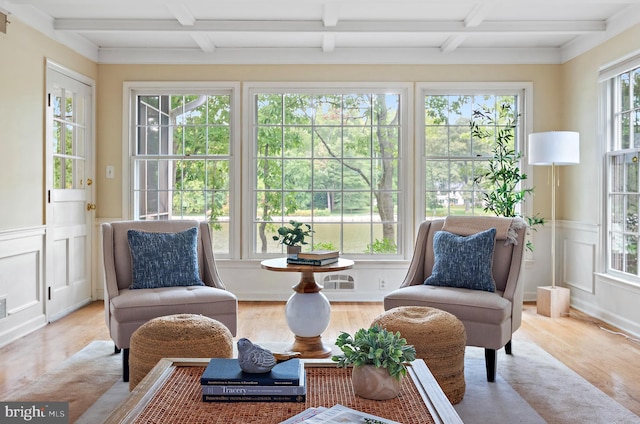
point(367, 3)
point(328, 43)
point(182, 14)
point(431, 27)
point(452, 43)
point(330, 14)
point(378, 56)
point(479, 13)
point(204, 41)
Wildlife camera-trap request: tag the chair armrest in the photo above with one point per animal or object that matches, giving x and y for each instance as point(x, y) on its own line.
point(514, 289)
point(415, 275)
point(111, 282)
point(210, 274)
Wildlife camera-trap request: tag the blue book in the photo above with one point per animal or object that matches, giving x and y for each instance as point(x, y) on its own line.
point(314, 262)
point(250, 390)
point(226, 372)
point(255, 398)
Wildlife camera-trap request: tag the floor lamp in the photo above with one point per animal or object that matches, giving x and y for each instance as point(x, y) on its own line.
point(553, 148)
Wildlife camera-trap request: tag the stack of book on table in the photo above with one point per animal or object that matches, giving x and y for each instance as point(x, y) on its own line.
point(315, 257)
point(224, 381)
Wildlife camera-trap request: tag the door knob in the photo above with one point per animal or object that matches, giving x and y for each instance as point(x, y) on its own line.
point(91, 206)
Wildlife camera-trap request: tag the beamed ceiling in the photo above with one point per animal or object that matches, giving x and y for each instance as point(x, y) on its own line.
point(328, 31)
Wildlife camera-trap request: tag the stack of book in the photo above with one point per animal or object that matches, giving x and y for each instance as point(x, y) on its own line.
point(224, 381)
point(315, 257)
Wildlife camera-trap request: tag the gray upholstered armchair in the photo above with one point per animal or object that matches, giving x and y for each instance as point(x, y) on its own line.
point(127, 308)
point(490, 318)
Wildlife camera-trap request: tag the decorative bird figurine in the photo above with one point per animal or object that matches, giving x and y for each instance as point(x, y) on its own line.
point(253, 358)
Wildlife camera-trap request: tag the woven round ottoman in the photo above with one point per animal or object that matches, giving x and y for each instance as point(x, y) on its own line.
point(176, 336)
point(439, 338)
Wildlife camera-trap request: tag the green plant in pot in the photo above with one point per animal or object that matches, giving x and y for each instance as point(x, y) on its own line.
point(503, 178)
point(379, 359)
point(293, 236)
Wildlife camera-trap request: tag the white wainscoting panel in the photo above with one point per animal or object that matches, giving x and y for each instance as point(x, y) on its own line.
point(579, 265)
point(22, 282)
point(613, 300)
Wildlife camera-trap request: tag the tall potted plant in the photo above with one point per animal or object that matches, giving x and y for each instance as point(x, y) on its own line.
point(293, 236)
point(379, 359)
point(504, 176)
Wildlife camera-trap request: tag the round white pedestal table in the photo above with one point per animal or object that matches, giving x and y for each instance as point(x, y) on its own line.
point(308, 310)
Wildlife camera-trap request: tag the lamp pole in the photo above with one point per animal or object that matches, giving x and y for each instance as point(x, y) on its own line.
point(553, 225)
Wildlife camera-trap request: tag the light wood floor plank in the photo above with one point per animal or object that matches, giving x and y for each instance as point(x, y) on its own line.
point(608, 360)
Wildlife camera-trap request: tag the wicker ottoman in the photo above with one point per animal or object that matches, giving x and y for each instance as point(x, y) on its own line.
point(176, 336)
point(439, 338)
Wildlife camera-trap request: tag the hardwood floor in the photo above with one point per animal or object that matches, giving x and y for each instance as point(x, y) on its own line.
point(598, 352)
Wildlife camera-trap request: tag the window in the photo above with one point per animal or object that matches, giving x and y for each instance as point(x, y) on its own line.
point(623, 190)
point(182, 150)
point(340, 157)
point(453, 157)
point(331, 158)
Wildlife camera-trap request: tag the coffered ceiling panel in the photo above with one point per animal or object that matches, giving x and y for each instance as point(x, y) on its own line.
point(328, 31)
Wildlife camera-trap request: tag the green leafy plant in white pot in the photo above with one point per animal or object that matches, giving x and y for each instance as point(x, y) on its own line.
point(293, 236)
point(379, 359)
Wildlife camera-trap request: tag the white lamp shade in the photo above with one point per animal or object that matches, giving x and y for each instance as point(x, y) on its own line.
point(554, 147)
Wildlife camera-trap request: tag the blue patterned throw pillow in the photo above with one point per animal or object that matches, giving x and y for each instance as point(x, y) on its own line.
point(463, 262)
point(164, 259)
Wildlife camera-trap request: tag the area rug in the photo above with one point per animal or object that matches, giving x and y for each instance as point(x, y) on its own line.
point(534, 387)
point(80, 380)
point(531, 387)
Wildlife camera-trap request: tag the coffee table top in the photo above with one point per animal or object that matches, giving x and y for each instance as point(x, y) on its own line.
point(174, 385)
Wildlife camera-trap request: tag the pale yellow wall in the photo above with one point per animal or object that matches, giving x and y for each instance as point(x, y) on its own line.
point(578, 198)
point(545, 78)
point(23, 53)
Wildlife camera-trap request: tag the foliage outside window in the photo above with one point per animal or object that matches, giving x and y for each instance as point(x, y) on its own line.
point(456, 158)
point(181, 160)
point(623, 170)
point(331, 159)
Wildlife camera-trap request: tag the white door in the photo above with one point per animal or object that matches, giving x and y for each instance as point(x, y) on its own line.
point(69, 111)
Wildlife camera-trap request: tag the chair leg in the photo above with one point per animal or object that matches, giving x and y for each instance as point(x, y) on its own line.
point(125, 365)
point(490, 362)
point(116, 349)
point(507, 348)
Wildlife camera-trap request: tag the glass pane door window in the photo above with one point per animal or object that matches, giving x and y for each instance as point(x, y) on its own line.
point(69, 139)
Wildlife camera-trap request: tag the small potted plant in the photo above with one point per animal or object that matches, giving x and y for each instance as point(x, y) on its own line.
point(293, 236)
point(379, 358)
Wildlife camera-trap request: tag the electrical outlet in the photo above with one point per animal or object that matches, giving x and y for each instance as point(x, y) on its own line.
point(382, 284)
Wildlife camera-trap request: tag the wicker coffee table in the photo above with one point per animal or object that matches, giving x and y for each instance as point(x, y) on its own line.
point(171, 393)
